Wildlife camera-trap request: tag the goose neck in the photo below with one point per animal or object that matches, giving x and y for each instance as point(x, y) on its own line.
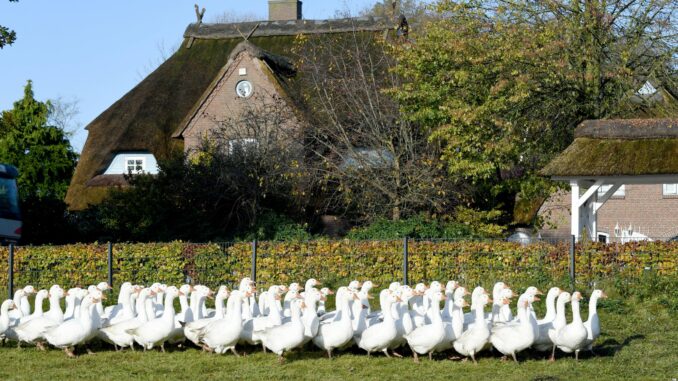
point(183, 302)
point(576, 316)
point(593, 307)
point(168, 312)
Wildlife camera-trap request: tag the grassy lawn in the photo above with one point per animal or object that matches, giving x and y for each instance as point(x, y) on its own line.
point(639, 341)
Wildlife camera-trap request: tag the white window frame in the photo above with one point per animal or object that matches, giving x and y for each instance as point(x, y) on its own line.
point(619, 193)
point(134, 159)
point(242, 144)
point(604, 235)
point(670, 193)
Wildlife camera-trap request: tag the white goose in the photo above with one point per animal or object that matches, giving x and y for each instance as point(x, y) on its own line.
point(572, 337)
point(424, 339)
point(454, 326)
point(476, 337)
point(512, 338)
point(288, 336)
point(592, 324)
point(117, 334)
point(321, 305)
point(73, 332)
point(404, 323)
point(378, 337)
point(157, 331)
point(221, 335)
point(31, 331)
point(123, 310)
point(192, 329)
point(542, 342)
point(6, 307)
point(337, 333)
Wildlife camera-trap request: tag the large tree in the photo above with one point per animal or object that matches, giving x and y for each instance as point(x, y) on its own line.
point(369, 160)
point(45, 160)
point(502, 84)
point(42, 152)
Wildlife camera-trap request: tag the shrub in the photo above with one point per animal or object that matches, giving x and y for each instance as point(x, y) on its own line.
point(646, 269)
point(415, 227)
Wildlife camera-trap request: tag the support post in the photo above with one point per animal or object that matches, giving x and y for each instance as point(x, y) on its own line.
point(110, 264)
point(254, 261)
point(10, 278)
point(572, 262)
point(405, 260)
point(574, 220)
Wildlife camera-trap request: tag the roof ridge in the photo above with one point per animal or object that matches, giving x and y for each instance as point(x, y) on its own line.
point(286, 28)
point(628, 129)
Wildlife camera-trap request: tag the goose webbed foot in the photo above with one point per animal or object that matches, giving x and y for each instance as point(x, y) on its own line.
point(473, 357)
point(89, 351)
point(40, 345)
point(69, 352)
point(416, 357)
point(503, 358)
point(281, 359)
point(396, 354)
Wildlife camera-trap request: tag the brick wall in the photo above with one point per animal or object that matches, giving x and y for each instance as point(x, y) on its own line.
point(643, 206)
point(223, 103)
point(284, 10)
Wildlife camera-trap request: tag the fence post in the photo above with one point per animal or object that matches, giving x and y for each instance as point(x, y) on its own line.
point(405, 260)
point(10, 278)
point(254, 260)
point(573, 273)
point(110, 264)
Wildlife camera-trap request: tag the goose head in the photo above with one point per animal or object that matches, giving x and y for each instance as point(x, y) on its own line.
point(244, 282)
point(311, 283)
point(173, 292)
point(56, 291)
point(577, 296)
point(564, 297)
point(42, 294)
point(598, 294)
point(460, 303)
point(326, 291)
point(420, 289)
point(294, 287)
point(533, 291)
point(451, 286)
point(367, 286)
point(394, 286)
point(460, 292)
point(435, 286)
point(7, 305)
point(223, 293)
point(354, 285)
point(185, 289)
point(29, 290)
point(103, 286)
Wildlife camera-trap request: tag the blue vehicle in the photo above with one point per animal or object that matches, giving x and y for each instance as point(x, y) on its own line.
point(10, 214)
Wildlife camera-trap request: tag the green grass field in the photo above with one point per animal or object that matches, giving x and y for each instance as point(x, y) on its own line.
point(639, 341)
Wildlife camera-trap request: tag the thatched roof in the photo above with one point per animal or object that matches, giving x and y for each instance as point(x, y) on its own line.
point(146, 118)
point(619, 148)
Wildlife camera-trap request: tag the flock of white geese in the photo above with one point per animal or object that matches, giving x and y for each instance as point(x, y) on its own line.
point(284, 318)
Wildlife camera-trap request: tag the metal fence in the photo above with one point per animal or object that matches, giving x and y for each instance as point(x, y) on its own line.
point(478, 262)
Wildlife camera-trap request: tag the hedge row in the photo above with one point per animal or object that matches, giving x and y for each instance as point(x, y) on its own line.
point(337, 262)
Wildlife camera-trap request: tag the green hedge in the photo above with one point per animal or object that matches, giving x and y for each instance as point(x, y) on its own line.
point(337, 262)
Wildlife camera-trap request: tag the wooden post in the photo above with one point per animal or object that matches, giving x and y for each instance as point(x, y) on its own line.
point(573, 273)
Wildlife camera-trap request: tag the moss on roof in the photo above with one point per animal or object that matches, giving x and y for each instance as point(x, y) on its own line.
point(146, 117)
point(615, 157)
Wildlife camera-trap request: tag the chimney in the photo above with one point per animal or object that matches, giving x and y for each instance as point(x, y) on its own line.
point(283, 10)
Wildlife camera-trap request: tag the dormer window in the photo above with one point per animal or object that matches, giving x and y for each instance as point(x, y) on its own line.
point(135, 165)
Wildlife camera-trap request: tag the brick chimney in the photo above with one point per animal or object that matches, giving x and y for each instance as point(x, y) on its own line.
point(282, 10)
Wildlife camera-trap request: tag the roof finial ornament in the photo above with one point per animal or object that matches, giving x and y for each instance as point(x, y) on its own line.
point(199, 14)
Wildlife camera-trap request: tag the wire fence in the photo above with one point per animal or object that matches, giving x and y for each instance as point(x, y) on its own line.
point(471, 262)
